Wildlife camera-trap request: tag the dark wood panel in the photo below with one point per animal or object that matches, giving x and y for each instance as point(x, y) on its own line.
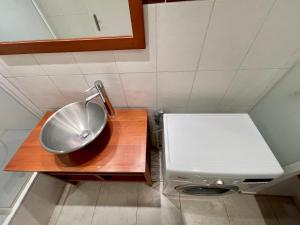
point(137, 41)
point(160, 1)
point(152, 1)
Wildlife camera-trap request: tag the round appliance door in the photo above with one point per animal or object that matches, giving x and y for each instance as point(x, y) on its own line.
point(206, 190)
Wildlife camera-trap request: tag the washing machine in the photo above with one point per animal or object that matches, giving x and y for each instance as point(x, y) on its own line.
point(214, 154)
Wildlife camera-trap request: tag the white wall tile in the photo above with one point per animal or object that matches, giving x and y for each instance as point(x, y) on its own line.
point(113, 86)
point(249, 85)
point(174, 88)
point(172, 109)
point(175, 33)
point(140, 89)
point(208, 89)
point(210, 86)
point(72, 87)
point(96, 62)
point(236, 108)
point(293, 60)
point(40, 90)
point(246, 106)
point(181, 29)
point(21, 65)
point(58, 63)
point(278, 39)
point(141, 60)
point(3, 69)
point(232, 29)
point(198, 107)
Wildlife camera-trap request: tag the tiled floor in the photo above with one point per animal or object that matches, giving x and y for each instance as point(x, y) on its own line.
point(10, 183)
point(94, 203)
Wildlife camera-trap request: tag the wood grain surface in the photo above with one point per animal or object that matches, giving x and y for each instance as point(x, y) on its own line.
point(120, 148)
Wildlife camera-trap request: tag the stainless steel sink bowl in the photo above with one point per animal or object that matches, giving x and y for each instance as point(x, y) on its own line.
point(73, 127)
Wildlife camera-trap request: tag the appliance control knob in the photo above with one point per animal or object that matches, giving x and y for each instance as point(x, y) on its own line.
point(219, 182)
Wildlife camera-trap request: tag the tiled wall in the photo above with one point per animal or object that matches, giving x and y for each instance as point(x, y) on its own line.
point(201, 56)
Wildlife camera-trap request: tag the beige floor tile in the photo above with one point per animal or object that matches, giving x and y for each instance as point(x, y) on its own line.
point(80, 204)
point(58, 208)
point(116, 204)
point(285, 209)
point(154, 208)
point(203, 211)
point(249, 210)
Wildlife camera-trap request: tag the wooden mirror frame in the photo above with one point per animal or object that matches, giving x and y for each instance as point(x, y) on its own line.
point(137, 41)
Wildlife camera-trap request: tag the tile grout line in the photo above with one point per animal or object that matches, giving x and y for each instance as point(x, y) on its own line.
point(123, 90)
point(58, 90)
point(38, 63)
point(200, 55)
point(68, 187)
point(94, 211)
point(273, 211)
point(268, 87)
point(136, 214)
point(205, 35)
point(296, 205)
point(277, 82)
point(156, 54)
point(256, 35)
point(77, 63)
point(120, 79)
point(245, 56)
point(22, 92)
point(180, 207)
point(85, 80)
point(226, 210)
point(137, 204)
point(177, 71)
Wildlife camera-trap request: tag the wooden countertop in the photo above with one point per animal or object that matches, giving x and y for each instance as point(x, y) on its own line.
point(120, 148)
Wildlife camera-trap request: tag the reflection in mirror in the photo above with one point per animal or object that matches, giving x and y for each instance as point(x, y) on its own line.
point(24, 20)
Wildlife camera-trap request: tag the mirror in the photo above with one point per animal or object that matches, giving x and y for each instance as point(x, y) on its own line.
point(33, 26)
point(62, 19)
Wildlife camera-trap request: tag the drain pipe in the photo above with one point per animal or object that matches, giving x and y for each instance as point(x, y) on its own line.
point(158, 128)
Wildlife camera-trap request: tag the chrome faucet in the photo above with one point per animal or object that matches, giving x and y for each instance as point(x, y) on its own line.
point(98, 85)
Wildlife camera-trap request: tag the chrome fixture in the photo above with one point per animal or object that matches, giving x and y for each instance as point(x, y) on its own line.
point(77, 124)
point(73, 127)
point(98, 85)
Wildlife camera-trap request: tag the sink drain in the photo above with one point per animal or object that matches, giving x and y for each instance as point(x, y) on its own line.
point(84, 134)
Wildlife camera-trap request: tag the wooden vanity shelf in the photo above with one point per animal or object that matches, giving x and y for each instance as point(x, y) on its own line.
point(120, 153)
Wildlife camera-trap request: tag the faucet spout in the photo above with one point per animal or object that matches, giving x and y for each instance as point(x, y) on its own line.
point(90, 98)
point(98, 85)
point(100, 88)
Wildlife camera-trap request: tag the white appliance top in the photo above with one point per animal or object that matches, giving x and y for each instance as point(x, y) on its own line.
point(217, 144)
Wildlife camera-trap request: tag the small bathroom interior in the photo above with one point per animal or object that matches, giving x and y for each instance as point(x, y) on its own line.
point(147, 112)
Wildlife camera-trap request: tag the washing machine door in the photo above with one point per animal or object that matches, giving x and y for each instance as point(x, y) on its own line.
point(193, 189)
